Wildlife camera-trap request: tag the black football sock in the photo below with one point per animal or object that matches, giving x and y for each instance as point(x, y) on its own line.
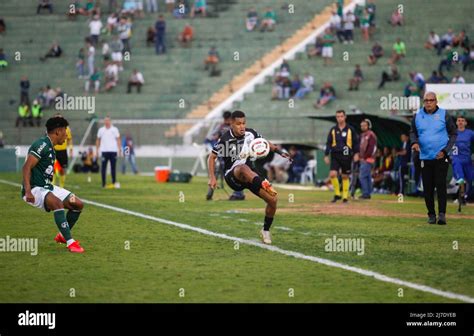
point(267, 223)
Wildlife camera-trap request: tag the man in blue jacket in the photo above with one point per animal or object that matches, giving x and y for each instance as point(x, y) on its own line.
point(433, 134)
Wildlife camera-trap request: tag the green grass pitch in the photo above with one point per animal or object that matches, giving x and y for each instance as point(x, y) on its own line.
point(168, 264)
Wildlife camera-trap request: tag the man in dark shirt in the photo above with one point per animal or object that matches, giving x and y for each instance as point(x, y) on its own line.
point(160, 28)
point(343, 145)
point(404, 155)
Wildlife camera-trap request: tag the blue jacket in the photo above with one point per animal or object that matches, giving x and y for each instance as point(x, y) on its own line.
point(434, 132)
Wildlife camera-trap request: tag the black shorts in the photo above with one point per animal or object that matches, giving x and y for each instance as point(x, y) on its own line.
point(235, 184)
point(341, 162)
point(61, 156)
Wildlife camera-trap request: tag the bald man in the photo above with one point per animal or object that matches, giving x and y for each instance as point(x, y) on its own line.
point(433, 134)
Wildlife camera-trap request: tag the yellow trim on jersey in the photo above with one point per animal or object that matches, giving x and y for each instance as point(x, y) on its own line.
point(67, 142)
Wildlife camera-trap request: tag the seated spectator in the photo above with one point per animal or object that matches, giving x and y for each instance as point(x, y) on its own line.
point(356, 79)
point(54, 52)
point(467, 58)
point(129, 7)
point(396, 19)
point(94, 79)
point(268, 21)
point(297, 165)
point(349, 20)
point(136, 79)
point(80, 64)
point(317, 49)
point(150, 36)
point(433, 41)
point(285, 66)
point(49, 95)
point(116, 47)
point(326, 95)
point(419, 80)
point(44, 4)
point(95, 27)
point(112, 22)
point(277, 169)
point(180, 10)
point(170, 5)
point(251, 23)
point(111, 75)
point(3, 59)
point(282, 85)
point(394, 75)
point(36, 112)
point(3, 26)
point(199, 7)
point(383, 181)
point(446, 41)
point(437, 78)
point(295, 85)
point(307, 87)
point(458, 79)
point(399, 51)
point(186, 36)
point(106, 51)
point(449, 60)
point(377, 52)
point(461, 40)
point(212, 60)
point(24, 115)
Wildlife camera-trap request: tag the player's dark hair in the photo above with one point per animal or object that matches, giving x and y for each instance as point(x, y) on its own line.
point(238, 114)
point(341, 111)
point(55, 122)
point(226, 114)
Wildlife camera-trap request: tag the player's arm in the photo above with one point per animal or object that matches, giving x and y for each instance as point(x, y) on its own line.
point(452, 134)
point(356, 144)
point(211, 166)
point(30, 162)
point(119, 146)
point(69, 144)
point(275, 149)
point(414, 135)
point(97, 146)
point(328, 148)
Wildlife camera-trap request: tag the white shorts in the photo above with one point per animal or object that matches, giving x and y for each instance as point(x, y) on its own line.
point(40, 195)
point(327, 52)
point(117, 56)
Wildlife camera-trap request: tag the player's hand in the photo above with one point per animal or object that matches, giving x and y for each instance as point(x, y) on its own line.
point(415, 147)
point(326, 160)
point(356, 157)
point(212, 182)
point(440, 155)
point(29, 197)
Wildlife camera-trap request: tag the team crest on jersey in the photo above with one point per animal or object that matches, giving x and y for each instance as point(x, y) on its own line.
point(344, 134)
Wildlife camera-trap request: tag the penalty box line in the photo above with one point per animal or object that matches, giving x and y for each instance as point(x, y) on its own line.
point(297, 255)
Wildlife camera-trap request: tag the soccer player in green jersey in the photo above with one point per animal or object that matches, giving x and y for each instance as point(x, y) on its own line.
point(38, 190)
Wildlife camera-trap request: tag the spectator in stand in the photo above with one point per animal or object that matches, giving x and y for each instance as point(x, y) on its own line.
point(150, 36)
point(116, 46)
point(180, 10)
point(394, 76)
point(370, 7)
point(44, 4)
point(419, 80)
point(80, 63)
point(54, 52)
point(3, 59)
point(124, 29)
point(335, 25)
point(128, 150)
point(396, 19)
point(285, 66)
point(364, 25)
point(111, 76)
point(3, 25)
point(447, 62)
point(433, 41)
point(93, 79)
point(398, 51)
point(326, 95)
point(327, 52)
point(446, 41)
point(348, 26)
point(152, 6)
point(212, 60)
point(186, 36)
point(295, 85)
point(170, 5)
point(199, 7)
point(136, 79)
point(112, 22)
point(383, 182)
point(251, 23)
point(307, 87)
point(461, 40)
point(356, 79)
point(90, 50)
point(268, 21)
point(160, 29)
point(36, 112)
point(316, 49)
point(24, 90)
point(437, 78)
point(458, 79)
point(95, 27)
point(377, 52)
point(24, 115)
point(368, 148)
point(404, 157)
point(297, 165)
point(467, 58)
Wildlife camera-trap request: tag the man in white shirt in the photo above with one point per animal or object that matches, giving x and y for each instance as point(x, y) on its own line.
point(90, 56)
point(95, 27)
point(109, 145)
point(136, 79)
point(348, 26)
point(307, 87)
point(433, 41)
point(458, 79)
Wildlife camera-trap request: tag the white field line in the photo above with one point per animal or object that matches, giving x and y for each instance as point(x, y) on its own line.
point(298, 255)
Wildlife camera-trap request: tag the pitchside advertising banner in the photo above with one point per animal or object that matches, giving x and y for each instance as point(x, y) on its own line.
point(453, 96)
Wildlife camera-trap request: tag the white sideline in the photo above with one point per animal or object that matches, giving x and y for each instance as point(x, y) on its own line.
point(273, 248)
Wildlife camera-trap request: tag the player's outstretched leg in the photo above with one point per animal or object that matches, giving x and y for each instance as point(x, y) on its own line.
point(264, 190)
point(54, 204)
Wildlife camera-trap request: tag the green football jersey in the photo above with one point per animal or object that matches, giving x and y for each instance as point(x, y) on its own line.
point(42, 173)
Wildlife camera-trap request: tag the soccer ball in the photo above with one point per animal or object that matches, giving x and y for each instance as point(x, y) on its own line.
point(259, 148)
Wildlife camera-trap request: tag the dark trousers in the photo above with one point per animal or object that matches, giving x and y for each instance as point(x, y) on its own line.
point(137, 84)
point(433, 174)
point(160, 44)
point(106, 157)
point(402, 179)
